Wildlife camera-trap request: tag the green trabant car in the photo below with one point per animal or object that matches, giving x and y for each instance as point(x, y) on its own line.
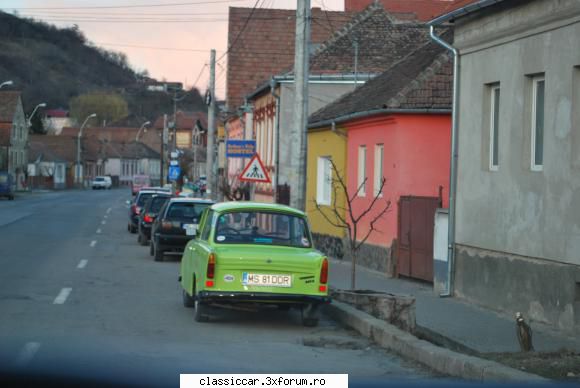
point(254, 253)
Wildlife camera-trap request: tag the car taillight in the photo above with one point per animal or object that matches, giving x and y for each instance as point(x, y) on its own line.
point(211, 266)
point(166, 225)
point(147, 218)
point(324, 271)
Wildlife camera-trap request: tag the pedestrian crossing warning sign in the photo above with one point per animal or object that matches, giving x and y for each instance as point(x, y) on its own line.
point(255, 171)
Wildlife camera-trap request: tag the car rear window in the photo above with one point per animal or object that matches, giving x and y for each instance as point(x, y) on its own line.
point(100, 179)
point(262, 228)
point(143, 197)
point(157, 203)
point(186, 211)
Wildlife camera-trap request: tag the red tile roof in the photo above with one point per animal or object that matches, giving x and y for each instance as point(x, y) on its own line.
point(423, 10)
point(5, 130)
point(185, 120)
point(422, 80)
point(265, 45)
point(8, 103)
point(382, 41)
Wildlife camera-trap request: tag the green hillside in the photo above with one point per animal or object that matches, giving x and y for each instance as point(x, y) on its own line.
point(52, 65)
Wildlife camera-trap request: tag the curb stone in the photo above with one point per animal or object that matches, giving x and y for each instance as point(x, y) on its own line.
point(439, 359)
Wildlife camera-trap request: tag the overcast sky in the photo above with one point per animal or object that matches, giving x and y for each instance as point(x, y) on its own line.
point(158, 24)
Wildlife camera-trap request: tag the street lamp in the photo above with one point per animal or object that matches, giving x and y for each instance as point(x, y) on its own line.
point(41, 105)
point(146, 123)
point(7, 83)
point(78, 175)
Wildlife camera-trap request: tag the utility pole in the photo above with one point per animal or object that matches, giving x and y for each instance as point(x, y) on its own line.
point(163, 145)
point(211, 175)
point(300, 114)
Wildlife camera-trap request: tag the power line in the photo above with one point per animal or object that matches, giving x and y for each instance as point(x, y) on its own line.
point(151, 47)
point(199, 75)
point(241, 31)
point(131, 6)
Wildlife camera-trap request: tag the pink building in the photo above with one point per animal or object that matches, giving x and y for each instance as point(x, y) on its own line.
point(398, 126)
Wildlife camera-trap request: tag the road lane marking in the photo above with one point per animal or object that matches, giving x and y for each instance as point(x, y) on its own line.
point(82, 264)
point(105, 216)
point(93, 243)
point(103, 222)
point(99, 231)
point(109, 210)
point(27, 354)
point(62, 296)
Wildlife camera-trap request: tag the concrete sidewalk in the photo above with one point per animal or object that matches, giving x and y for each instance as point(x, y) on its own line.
point(455, 321)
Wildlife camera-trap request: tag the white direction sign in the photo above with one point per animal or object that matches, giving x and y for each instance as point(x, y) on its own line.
point(255, 171)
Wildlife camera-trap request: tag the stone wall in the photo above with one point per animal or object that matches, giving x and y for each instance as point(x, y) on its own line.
point(545, 291)
point(375, 257)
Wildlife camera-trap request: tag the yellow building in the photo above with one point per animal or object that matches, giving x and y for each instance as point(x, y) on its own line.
point(325, 144)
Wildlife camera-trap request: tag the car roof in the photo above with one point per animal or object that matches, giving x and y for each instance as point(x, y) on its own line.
point(152, 191)
point(247, 205)
point(193, 200)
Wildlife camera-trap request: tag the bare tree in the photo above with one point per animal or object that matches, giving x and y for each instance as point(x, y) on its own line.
point(345, 217)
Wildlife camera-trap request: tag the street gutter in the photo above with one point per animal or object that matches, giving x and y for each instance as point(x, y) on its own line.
point(438, 359)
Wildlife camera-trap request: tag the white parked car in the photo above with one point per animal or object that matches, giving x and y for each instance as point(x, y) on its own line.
point(102, 182)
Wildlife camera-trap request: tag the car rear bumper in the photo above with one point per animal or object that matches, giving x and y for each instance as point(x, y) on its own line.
point(173, 242)
point(146, 229)
point(260, 297)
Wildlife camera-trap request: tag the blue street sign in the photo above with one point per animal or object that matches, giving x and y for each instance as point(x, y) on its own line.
point(240, 148)
point(174, 172)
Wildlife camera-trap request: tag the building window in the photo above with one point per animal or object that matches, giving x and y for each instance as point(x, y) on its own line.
point(362, 173)
point(494, 128)
point(538, 90)
point(378, 169)
point(324, 181)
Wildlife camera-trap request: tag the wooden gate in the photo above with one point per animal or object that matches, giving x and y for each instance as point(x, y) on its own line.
point(415, 232)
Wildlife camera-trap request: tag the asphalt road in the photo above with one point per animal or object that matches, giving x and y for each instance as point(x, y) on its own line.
point(78, 295)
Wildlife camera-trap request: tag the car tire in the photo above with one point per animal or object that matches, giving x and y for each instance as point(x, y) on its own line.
point(310, 315)
point(151, 251)
point(132, 229)
point(142, 239)
point(157, 253)
point(11, 198)
point(188, 301)
point(200, 314)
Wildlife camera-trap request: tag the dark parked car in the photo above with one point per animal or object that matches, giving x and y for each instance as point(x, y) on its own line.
point(6, 185)
point(175, 225)
point(148, 215)
point(137, 205)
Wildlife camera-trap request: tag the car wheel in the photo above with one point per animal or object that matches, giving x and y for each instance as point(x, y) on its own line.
point(200, 310)
point(143, 240)
point(11, 198)
point(310, 315)
point(151, 248)
point(188, 301)
point(132, 229)
point(157, 253)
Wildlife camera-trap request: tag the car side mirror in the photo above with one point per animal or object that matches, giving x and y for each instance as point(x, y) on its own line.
point(128, 202)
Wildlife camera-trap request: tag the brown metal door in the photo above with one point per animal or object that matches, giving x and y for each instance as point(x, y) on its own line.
point(404, 247)
point(416, 223)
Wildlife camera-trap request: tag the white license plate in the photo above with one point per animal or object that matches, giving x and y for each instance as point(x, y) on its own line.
point(190, 229)
point(266, 280)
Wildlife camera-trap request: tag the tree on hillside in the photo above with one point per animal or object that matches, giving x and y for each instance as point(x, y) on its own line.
point(108, 107)
point(348, 218)
point(36, 125)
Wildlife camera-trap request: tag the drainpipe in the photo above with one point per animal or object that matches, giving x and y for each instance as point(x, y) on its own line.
point(277, 133)
point(453, 169)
